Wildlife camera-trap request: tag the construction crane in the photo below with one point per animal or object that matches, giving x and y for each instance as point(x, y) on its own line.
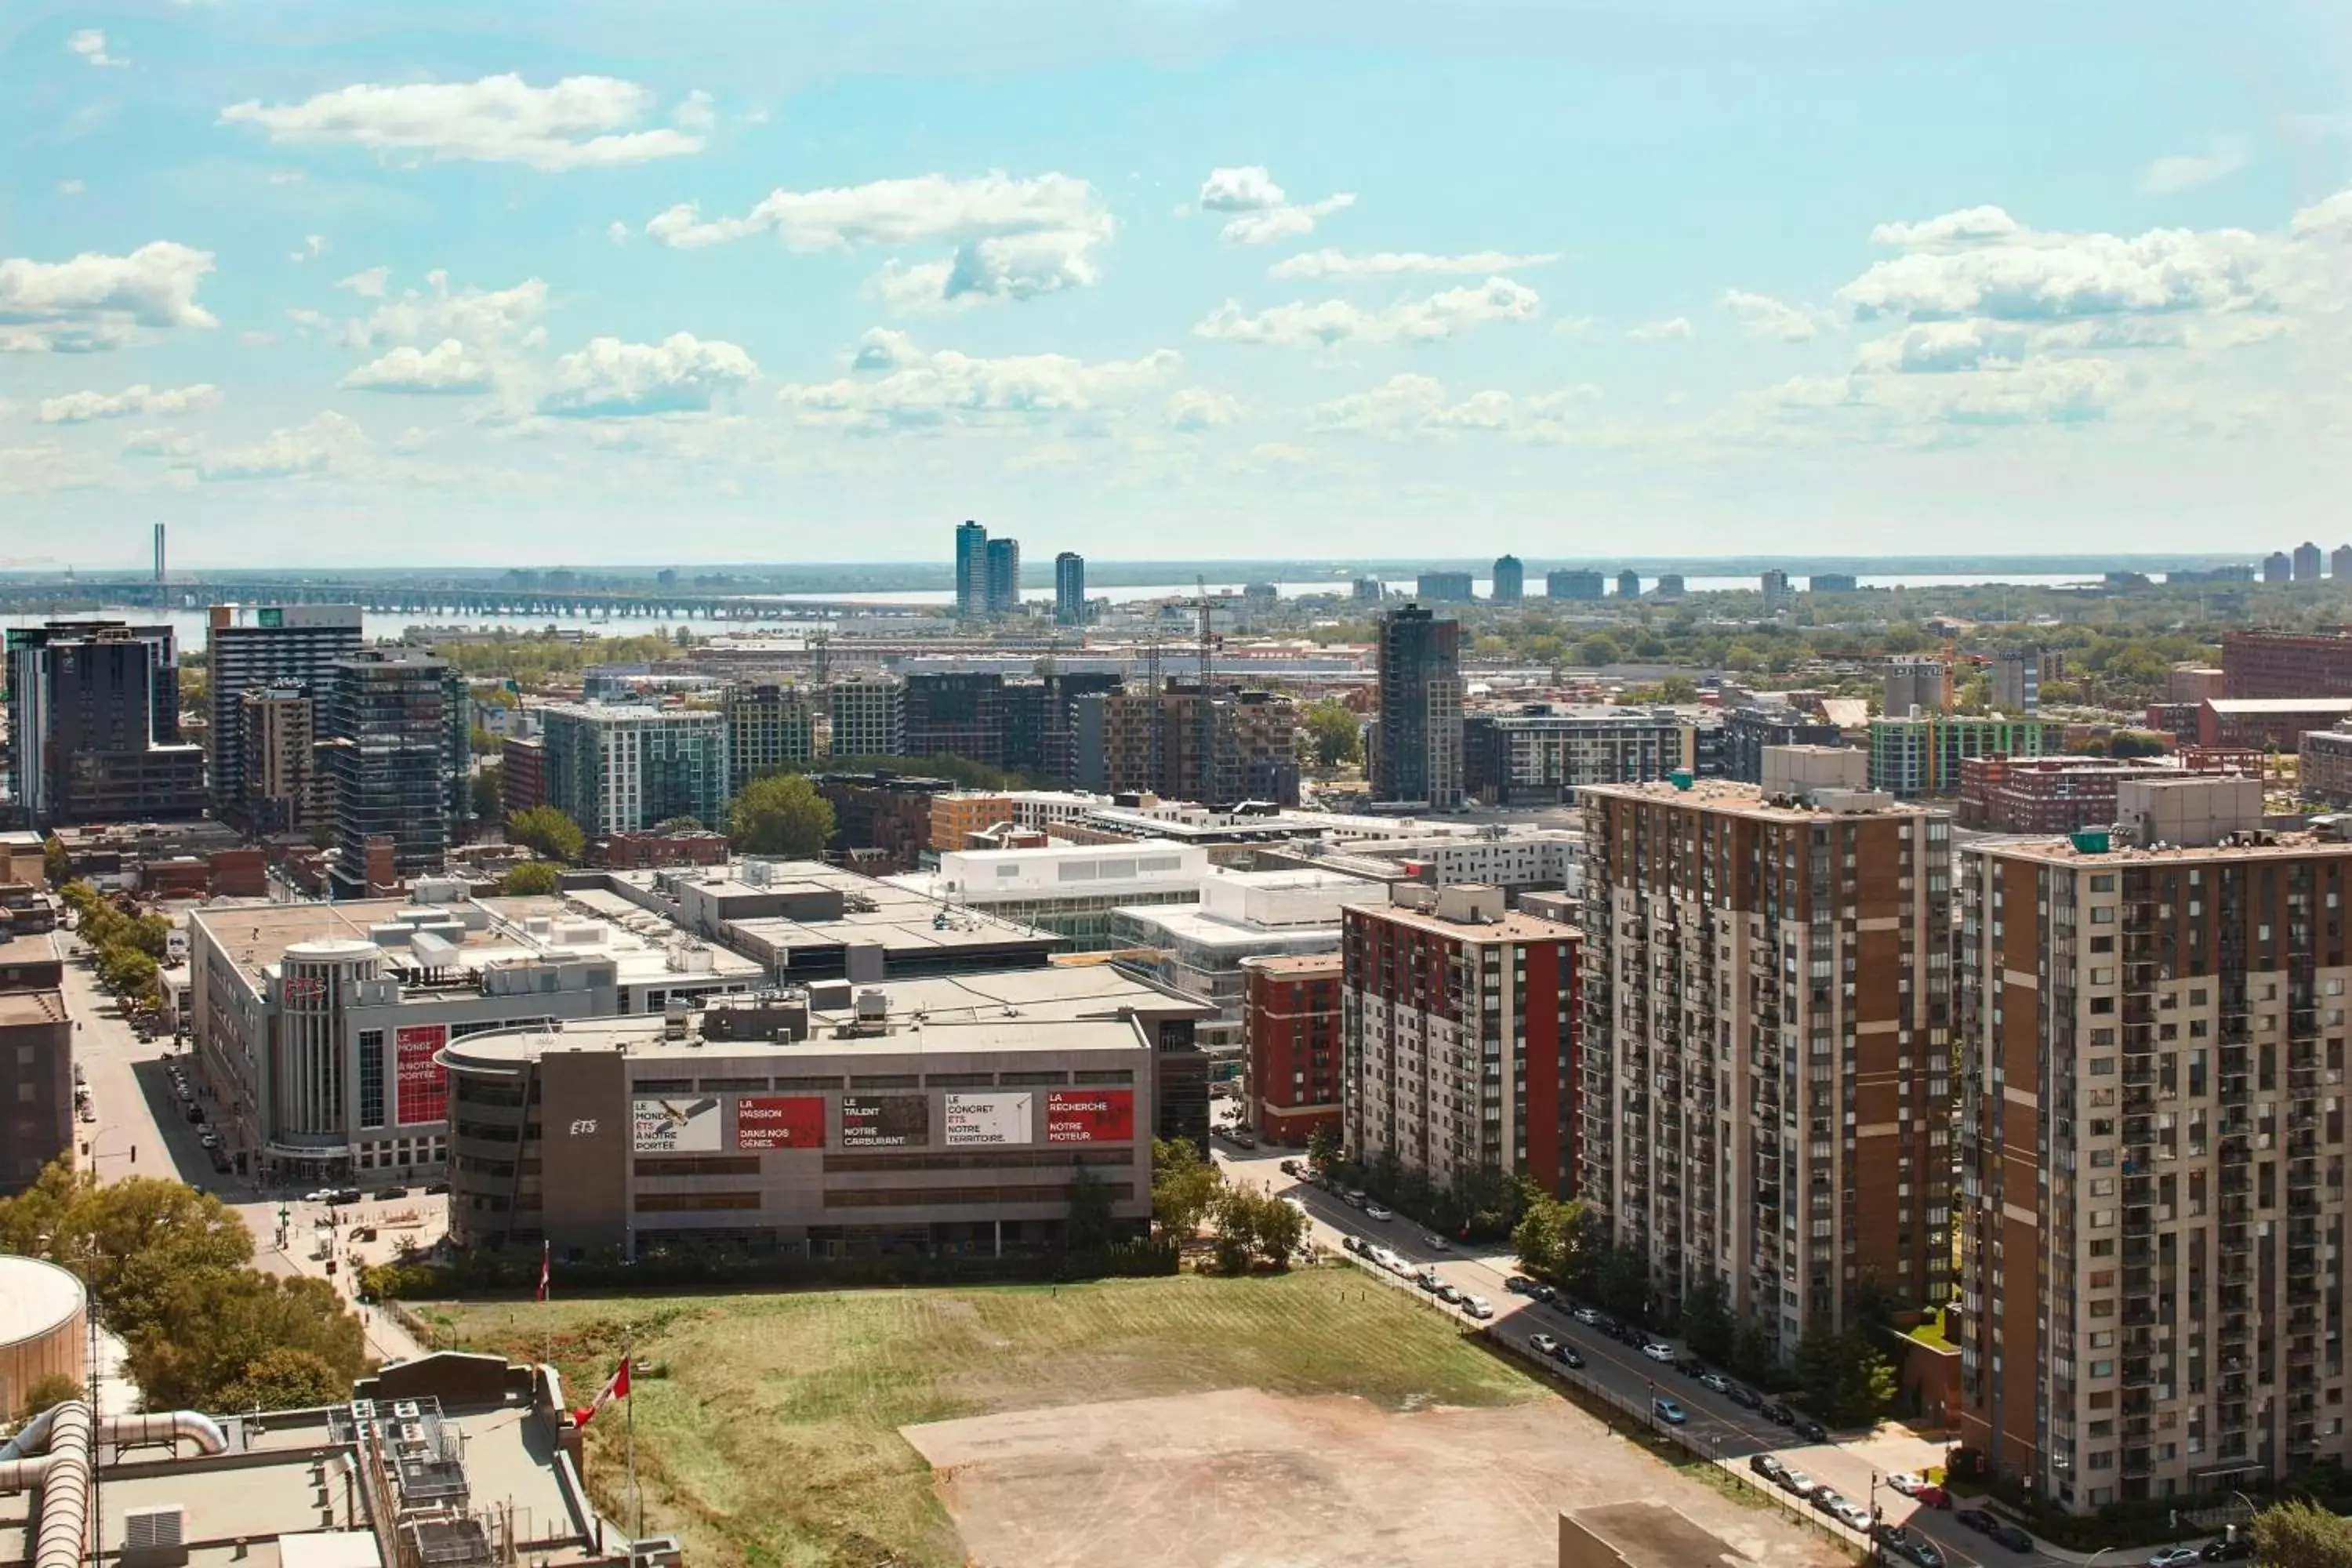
point(1208, 738)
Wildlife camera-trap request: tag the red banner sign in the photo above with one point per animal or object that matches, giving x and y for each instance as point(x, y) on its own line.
point(422, 1083)
point(1091, 1116)
point(779, 1122)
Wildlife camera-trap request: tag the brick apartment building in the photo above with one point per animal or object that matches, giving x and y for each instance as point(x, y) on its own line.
point(2055, 794)
point(2150, 1059)
point(1763, 1098)
point(2258, 663)
point(1459, 1024)
point(2267, 723)
point(1291, 1045)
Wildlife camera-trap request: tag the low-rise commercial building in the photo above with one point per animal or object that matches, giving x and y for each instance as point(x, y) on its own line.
point(2048, 795)
point(881, 821)
point(1292, 1062)
point(318, 1026)
point(2324, 769)
point(1070, 890)
point(2267, 723)
point(871, 1136)
point(1198, 949)
point(1458, 1031)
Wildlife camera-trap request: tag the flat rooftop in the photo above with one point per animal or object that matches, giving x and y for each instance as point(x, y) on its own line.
point(2279, 847)
point(1514, 925)
point(21, 1007)
point(1188, 924)
point(898, 918)
point(1283, 965)
point(1055, 994)
point(1745, 800)
point(645, 1038)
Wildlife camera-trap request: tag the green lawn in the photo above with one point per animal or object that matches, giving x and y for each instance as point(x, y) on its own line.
point(770, 1437)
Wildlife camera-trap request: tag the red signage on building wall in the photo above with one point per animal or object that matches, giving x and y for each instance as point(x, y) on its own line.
point(779, 1122)
point(1091, 1116)
point(422, 1083)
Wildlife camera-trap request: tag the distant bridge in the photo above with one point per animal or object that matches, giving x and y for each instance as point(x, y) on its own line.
point(495, 602)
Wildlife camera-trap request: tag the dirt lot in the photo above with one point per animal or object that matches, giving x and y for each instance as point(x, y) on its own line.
point(1240, 1477)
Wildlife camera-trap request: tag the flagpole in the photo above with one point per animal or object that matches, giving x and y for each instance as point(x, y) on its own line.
point(637, 1497)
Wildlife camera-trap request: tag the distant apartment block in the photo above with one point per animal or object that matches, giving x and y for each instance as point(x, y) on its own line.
point(1540, 754)
point(1292, 1057)
point(1762, 1097)
point(1444, 588)
point(2325, 773)
point(523, 774)
point(2258, 663)
point(1832, 582)
point(1070, 589)
point(1510, 579)
point(1575, 583)
point(1747, 731)
point(1922, 756)
point(266, 644)
point(770, 728)
point(2047, 794)
point(1417, 749)
point(2267, 723)
point(868, 716)
point(624, 767)
point(94, 725)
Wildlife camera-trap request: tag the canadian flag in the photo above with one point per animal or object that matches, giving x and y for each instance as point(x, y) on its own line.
point(544, 1260)
point(618, 1388)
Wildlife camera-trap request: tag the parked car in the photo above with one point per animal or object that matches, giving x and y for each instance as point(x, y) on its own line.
point(1447, 1293)
point(1826, 1501)
point(1768, 1465)
point(1353, 1197)
point(1689, 1366)
point(1715, 1380)
point(1812, 1431)
point(1743, 1396)
point(1854, 1516)
point(1586, 1314)
point(323, 1196)
point(1288, 1167)
point(345, 1196)
point(1543, 1344)
point(1478, 1307)
point(1518, 1284)
point(2011, 1536)
point(2237, 1549)
point(436, 1189)
point(1906, 1483)
point(1351, 1243)
point(1374, 1210)
point(1435, 1241)
point(1570, 1356)
point(1778, 1414)
point(1975, 1519)
point(1668, 1411)
point(1910, 1545)
point(1933, 1496)
point(392, 1192)
point(1659, 1350)
point(2172, 1557)
point(1544, 1293)
point(1799, 1484)
point(1241, 1140)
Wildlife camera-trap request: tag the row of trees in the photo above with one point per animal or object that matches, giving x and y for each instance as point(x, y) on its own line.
point(169, 1269)
point(1252, 1228)
point(1844, 1378)
point(778, 814)
point(127, 949)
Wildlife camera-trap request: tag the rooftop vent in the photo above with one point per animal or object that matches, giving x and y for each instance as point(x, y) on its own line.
point(157, 1528)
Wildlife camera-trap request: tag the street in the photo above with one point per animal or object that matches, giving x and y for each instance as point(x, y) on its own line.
point(1734, 1435)
point(141, 1130)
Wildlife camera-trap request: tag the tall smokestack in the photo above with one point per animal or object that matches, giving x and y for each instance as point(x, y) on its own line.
point(159, 554)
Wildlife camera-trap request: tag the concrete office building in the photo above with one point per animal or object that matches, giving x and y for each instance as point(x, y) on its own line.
point(1003, 577)
point(1459, 1022)
point(1292, 1057)
point(37, 1066)
point(94, 725)
point(391, 774)
point(2151, 1053)
point(971, 572)
point(1417, 750)
point(1510, 579)
point(279, 773)
point(1070, 890)
point(1198, 950)
point(1749, 733)
point(749, 1125)
point(868, 716)
point(1540, 754)
point(265, 646)
point(1041, 720)
point(2324, 773)
point(1069, 589)
point(1573, 584)
point(1763, 1096)
point(318, 1025)
point(770, 728)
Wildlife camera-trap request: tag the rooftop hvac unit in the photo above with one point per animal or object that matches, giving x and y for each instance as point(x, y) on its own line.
point(656, 1551)
point(873, 1005)
point(407, 1410)
point(158, 1527)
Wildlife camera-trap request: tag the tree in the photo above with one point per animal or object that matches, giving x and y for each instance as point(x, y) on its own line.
point(1753, 1354)
point(284, 1378)
point(128, 1240)
point(1335, 733)
point(2300, 1534)
point(781, 815)
point(548, 831)
point(1090, 1227)
point(55, 863)
point(487, 792)
point(480, 743)
point(1546, 1237)
point(669, 824)
point(1622, 1282)
point(533, 878)
point(1706, 1320)
point(57, 1388)
point(1184, 1187)
point(222, 1322)
point(1256, 1228)
point(1281, 1229)
point(1323, 1149)
point(1817, 1368)
point(1844, 1378)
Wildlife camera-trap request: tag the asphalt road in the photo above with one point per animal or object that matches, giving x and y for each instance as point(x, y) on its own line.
point(1733, 1433)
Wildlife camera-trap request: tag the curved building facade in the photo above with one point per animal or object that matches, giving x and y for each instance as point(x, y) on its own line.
point(44, 1328)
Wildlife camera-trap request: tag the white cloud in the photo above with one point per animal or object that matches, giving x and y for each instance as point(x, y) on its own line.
point(1395, 263)
point(97, 301)
point(448, 368)
point(581, 121)
point(2179, 172)
point(1659, 332)
point(1978, 268)
point(617, 232)
point(476, 317)
point(329, 444)
point(694, 112)
point(70, 187)
point(1409, 405)
point(28, 470)
point(1256, 210)
point(313, 247)
point(367, 285)
point(1196, 408)
point(1013, 239)
point(1330, 323)
point(681, 374)
point(896, 385)
point(1939, 347)
point(1762, 316)
point(155, 443)
point(81, 408)
point(1969, 225)
point(91, 45)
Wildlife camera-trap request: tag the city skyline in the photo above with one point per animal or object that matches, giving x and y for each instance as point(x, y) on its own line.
point(402, 290)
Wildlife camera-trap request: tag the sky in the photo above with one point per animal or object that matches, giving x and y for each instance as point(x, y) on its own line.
point(351, 283)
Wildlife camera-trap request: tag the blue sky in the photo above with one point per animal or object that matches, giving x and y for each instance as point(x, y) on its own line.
point(372, 284)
